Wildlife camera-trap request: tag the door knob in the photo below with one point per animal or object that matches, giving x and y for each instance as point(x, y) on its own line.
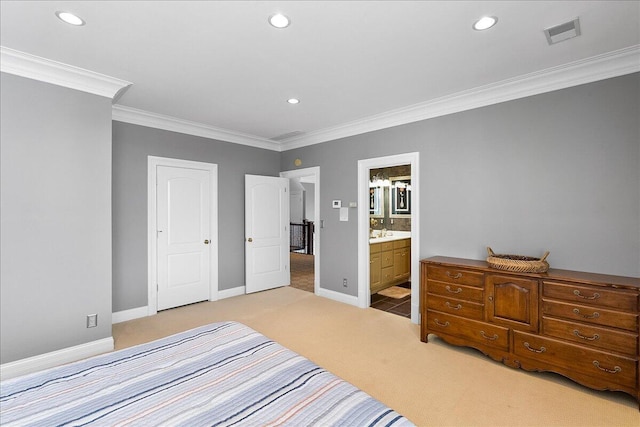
point(249, 240)
point(206, 242)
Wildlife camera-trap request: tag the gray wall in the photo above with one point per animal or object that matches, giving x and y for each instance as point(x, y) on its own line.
point(55, 209)
point(558, 171)
point(131, 146)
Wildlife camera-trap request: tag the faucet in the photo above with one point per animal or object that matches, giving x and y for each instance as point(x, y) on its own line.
point(372, 223)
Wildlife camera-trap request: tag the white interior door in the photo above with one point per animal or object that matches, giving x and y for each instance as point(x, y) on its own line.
point(266, 232)
point(183, 236)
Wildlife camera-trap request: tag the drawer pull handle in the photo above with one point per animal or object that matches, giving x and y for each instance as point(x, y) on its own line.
point(444, 325)
point(541, 350)
point(485, 336)
point(593, 297)
point(457, 291)
point(595, 314)
point(615, 369)
point(454, 277)
point(593, 338)
point(453, 307)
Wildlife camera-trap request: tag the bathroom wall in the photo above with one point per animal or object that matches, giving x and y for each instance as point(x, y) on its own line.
point(387, 221)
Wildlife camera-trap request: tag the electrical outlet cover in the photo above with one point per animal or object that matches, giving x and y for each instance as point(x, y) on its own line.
point(92, 320)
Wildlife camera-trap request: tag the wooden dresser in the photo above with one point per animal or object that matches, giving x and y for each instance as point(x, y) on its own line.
point(581, 325)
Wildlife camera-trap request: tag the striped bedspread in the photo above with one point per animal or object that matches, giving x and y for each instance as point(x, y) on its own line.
point(221, 374)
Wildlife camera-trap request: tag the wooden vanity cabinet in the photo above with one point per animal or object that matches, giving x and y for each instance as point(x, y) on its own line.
point(375, 263)
point(402, 260)
point(584, 326)
point(389, 264)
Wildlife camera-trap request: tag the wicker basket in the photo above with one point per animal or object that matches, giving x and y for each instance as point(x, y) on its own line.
point(518, 263)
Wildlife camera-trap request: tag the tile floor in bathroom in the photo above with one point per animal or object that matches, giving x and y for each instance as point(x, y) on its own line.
point(401, 306)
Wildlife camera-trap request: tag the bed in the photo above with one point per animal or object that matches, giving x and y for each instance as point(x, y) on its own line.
point(222, 374)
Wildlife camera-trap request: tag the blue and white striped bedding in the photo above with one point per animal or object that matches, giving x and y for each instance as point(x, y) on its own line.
point(221, 374)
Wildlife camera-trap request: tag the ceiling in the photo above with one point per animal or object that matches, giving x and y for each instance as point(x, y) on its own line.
point(354, 65)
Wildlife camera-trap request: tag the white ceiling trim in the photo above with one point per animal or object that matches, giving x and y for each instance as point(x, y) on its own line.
point(609, 65)
point(45, 70)
point(135, 116)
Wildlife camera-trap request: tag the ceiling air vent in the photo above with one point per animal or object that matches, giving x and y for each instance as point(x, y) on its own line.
point(563, 32)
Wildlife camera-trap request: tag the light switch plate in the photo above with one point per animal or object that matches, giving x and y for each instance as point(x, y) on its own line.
point(336, 204)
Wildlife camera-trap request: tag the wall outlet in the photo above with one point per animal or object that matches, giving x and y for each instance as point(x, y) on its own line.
point(344, 282)
point(92, 320)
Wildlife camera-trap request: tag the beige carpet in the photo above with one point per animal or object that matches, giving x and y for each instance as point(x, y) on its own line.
point(432, 384)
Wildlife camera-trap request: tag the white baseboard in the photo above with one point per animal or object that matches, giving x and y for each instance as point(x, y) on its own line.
point(134, 313)
point(338, 296)
point(233, 292)
point(55, 358)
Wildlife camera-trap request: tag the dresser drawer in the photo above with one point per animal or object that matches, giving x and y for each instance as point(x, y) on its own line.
point(575, 361)
point(593, 336)
point(455, 275)
point(479, 332)
point(469, 293)
point(458, 307)
point(590, 314)
point(618, 299)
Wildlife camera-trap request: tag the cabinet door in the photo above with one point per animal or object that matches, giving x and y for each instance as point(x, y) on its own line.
point(386, 259)
point(374, 270)
point(401, 263)
point(512, 301)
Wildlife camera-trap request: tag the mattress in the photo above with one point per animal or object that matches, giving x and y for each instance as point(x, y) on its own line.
point(222, 374)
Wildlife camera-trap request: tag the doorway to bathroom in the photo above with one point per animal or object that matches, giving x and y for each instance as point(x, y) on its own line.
point(304, 259)
point(388, 234)
point(390, 239)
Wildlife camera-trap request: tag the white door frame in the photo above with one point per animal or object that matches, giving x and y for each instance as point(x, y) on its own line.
point(364, 296)
point(315, 172)
point(152, 242)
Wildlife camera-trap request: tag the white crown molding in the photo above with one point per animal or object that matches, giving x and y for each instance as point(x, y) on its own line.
point(609, 65)
point(45, 70)
point(135, 116)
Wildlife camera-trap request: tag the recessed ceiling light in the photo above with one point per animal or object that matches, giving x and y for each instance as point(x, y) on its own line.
point(279, 20)
point(485, 23)
point(70, 18)
point(293, 101)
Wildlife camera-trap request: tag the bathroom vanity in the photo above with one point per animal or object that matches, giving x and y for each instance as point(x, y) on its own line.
point(389, 260)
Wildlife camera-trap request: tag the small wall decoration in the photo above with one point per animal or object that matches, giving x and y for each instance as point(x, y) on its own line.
point(400, 196)
point(376, 207)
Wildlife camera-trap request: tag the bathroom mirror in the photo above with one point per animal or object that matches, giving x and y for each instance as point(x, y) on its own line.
point(400, 196)
point(376, 202)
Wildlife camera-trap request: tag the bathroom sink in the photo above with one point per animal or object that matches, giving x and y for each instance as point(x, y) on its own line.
point(395, 235)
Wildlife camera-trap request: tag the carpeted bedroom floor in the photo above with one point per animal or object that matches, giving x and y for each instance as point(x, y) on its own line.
point(432, 384)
